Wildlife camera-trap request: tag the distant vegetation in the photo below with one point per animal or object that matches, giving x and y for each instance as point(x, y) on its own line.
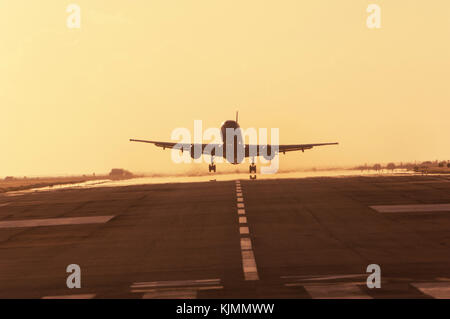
point(13, 183)
point(120, 173)
point(427, 167)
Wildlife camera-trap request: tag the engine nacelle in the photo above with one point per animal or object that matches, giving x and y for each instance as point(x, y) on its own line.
point(268, 152)
point(196, 152)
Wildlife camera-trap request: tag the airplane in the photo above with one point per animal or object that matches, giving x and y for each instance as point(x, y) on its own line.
point(237, 150)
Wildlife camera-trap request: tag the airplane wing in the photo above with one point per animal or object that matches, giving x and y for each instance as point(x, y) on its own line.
point(249, 149)
point(284, 148)
point(180, 146)
point(300, 147)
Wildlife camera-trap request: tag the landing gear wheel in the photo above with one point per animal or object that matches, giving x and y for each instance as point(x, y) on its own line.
point(252, 168)
point(212, 166)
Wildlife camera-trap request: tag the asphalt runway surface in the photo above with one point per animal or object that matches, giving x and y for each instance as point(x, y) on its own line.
point(287, 238)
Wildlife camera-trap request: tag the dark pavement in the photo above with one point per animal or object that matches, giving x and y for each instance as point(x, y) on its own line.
point(310, 238)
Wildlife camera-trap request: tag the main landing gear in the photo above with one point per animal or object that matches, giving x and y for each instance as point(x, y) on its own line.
point(212, 166)
point(252, 169)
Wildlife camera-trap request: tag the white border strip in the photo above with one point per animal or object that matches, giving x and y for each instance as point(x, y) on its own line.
point(411, 208)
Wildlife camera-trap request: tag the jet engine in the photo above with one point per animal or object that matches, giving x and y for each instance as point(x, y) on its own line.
point(196, 152)
point(268, 152)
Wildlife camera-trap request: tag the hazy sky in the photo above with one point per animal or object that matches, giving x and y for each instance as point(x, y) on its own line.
point(71, 98)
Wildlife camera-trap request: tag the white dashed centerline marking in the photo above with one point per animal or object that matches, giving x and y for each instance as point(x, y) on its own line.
point(244, 230)
point(184, 283)
point(246, 243)
point(249, 265)
point(248, 258)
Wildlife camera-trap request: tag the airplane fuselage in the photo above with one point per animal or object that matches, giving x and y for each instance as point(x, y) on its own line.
point(234, 144)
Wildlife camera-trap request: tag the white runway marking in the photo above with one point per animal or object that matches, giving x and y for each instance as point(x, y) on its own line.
point(411, 208)
point(165, 284)
point(244, 230)
point(171, 294)
point(438, 290)
point(323, 277)
point(55, 221)
point(180, 289)
point(4, 204)
point(248, 258)
point(82, 296)
point(249, 265)
point(336, 291)
point(246, 243)
point(243, 220)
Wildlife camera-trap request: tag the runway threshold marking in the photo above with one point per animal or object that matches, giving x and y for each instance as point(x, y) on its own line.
point(175, 283)
point(323, 277)
point(249, 266)
point(336, 291)
point(55, 221)
point(437, 290)
point(411, 208)
point(330, 286)
point(80, 296)
point(179, 289)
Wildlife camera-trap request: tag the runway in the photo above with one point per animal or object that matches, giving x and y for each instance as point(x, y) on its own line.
point(274, 238)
